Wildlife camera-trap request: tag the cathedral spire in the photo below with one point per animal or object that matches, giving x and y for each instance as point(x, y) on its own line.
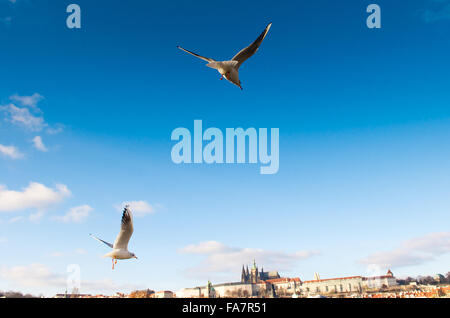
point(243, 275)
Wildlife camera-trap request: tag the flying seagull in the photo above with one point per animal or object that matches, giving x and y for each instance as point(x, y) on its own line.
point(230, 69)
point(120, 247)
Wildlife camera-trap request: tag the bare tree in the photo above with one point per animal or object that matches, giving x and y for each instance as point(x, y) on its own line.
point(13, 294)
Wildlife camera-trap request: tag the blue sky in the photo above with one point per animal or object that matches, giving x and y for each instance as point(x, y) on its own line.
point(364, 140)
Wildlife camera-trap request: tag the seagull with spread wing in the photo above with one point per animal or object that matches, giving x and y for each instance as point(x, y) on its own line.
point(120, 247)
point(230, 69)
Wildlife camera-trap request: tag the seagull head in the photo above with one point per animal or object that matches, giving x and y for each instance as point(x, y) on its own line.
point(133, 256)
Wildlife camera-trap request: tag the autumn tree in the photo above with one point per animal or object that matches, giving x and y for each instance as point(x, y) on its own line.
point(141, 293)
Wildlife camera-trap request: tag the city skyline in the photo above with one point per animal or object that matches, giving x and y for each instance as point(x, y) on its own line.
point(86, 117)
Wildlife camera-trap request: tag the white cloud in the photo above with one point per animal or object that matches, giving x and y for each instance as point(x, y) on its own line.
point(23, 117)
point(208, 247)
point(24, 111)
point(34, 217)
point(28, 101)
point(224, 262)
point(58, 128)
point(412, 252)
point(80, 251)
point(34, 196)
point(76, 215)
point(42, 277)
point(39, 144)
point(16, 219)
point(139, 208)
point(56, 254)
point(34, 275)
point(11, 152)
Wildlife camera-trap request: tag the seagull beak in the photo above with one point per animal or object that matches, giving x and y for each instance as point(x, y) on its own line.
point(135, 257)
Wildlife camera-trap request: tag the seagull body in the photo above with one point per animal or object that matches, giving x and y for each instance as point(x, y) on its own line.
point(120, 246)
point(230, 69)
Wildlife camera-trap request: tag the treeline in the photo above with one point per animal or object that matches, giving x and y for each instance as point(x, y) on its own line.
point(426, 280)
point(148, 293)
point(13, 294)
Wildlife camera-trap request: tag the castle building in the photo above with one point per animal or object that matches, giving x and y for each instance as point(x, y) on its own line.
point(254, 276)
point(353, 284)
point(255, 282)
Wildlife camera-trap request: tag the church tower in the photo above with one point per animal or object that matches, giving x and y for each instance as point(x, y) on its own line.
point(254, 274)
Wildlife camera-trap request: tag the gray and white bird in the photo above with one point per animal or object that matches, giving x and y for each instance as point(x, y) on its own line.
point(230, 69)
point(120, 247)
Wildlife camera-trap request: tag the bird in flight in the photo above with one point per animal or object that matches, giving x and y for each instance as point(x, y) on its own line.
point(120, 247)
point(230, 69)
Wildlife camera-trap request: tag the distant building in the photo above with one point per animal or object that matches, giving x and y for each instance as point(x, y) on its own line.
point(255, 283)
point(332, 285)
point(287, 284)
point(189, 292)
point(439, 278)
point(387, 280)
point(76, 296)
point(353, 284)
point(163, 294)
point(254, 276)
